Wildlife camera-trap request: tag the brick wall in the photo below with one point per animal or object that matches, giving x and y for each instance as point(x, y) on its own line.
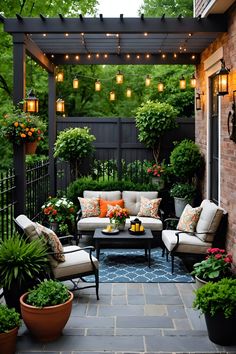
point(228, 147)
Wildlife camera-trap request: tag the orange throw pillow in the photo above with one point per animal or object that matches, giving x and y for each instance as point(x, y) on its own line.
point(103, 205)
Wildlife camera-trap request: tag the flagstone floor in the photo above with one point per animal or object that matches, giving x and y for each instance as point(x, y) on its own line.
point(130, 318)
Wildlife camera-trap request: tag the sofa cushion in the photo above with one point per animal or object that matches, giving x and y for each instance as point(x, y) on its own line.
point(104, 203)
point(89, 207)
point(187, 243)
point(92, 223)
point(209, 220)
point(189, 218)
point(71, 265)
point(107, 195)
point(149, 207)
point(132, 200)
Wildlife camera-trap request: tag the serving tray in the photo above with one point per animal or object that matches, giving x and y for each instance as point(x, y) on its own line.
point(136, 232)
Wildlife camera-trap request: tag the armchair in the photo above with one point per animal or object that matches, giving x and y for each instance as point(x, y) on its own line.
point(75, 262)
point(208, 232)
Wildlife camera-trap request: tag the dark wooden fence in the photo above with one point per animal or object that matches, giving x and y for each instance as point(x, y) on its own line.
point(117, 139)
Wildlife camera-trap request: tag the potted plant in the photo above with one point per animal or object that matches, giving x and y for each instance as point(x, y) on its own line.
point(217, 265)
point(60, 213)
point(73, 145)
point(217, 301)
point(183, 193)
point(153, 120)
point(21, 264)
point(46, 309)
point(156, 171)
point(21, 127)
point(117, 216)
point(9, 324)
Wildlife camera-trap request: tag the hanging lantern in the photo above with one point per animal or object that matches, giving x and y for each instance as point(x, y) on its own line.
point(97, 85)
point(182, 83)
point(75, 83)
point(31, 103)
point(160, 87)
point(147, 81)
point(119, 77)
point(60, 105)
point(193, 81)
point(128, 92)
point(198, 103)
point(222, 79)
point(112, 96)
point(60, 76)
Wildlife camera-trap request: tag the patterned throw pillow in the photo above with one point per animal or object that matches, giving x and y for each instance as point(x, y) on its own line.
point(149, 207)
point(189, 219)
point(52, 240)
point(104, 203)
point(89, 207)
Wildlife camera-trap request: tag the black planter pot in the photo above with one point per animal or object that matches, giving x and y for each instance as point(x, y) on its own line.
point(221, 330)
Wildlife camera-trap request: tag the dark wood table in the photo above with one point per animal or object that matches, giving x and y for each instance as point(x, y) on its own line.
point(140, 241)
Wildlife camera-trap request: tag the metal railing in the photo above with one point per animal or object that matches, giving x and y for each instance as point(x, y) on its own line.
point(37, 192)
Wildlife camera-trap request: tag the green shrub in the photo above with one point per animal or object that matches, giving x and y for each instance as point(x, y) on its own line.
point(48, 293)
point(9, 319)
point(21, 260)
point(77, 187)
point(186, 160)
point(183, 190)
point(219, 296)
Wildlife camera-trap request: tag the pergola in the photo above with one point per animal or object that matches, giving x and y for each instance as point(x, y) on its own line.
point(75, 41)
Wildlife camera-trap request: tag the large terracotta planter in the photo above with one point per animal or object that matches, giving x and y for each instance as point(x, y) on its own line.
point(221, 330)
point(46, 324)
point(8, 341)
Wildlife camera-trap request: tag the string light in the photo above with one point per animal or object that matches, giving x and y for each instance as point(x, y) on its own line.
point(60, 76)
point(112, 95)
point(119, 77)
point(147, 80)
point(128, 92)
point(76, 83)
point(182, 83)
point(160, 87)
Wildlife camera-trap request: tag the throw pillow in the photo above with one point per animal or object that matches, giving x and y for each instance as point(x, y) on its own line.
point(209, 220)
point(104, 203)
point(89, 207)
point(189, 219)
point(149, 207)
point(52, 240)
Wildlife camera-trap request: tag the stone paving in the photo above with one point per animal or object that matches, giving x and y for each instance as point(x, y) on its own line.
point(130, 318)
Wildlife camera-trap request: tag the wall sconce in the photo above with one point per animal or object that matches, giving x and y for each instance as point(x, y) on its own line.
point(75, 83)
point(60, 105)
point(193, 81)
point(97, 85)
point(160, 87)
point(198, 103)
point(31, 103)
point(128, 92)
point(60, 76)
point(147, 81)
point(119, 77)
point(222, 78)
point(112, 96)
point(182, 83)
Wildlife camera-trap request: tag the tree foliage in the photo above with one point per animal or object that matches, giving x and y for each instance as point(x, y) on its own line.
point(171, 8)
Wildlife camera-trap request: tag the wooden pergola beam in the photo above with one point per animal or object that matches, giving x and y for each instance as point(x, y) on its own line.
point(213, 23)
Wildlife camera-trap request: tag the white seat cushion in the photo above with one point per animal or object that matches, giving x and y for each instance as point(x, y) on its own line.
point(92, 223)
point(132, 200)
point(209, 220)
point(187, 244)
point(75, 263)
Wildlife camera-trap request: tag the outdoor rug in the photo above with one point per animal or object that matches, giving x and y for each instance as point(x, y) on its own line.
point(130, 266)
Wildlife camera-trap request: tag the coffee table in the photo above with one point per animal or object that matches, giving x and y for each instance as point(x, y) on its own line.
point(141, 241)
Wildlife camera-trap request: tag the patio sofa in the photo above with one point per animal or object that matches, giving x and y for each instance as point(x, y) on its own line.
point(132, 201)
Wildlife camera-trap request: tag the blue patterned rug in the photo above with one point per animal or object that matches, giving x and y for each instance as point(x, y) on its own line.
point(130, 266)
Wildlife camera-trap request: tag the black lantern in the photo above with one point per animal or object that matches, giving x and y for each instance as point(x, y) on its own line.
point(198, 102)
point(60, 105)
point(31, 103)
point(222, 79)
point(182, 83)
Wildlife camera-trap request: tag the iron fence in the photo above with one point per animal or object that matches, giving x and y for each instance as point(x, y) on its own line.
point(36, 193)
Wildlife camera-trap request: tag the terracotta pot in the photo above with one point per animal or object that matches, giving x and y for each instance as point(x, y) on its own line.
point(30, 147)
point(46, 324)
point(8, 341)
